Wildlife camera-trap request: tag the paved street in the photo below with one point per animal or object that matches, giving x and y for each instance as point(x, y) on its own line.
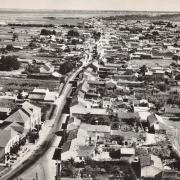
point(45, 167)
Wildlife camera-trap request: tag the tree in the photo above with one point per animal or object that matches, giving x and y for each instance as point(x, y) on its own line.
point(66, 67)
point(175, 57)
point(47, 32)
point(114, 154)
point(162, 87)
point(53, 32)
point(73, 33)
point(174, 64)
point(32, 69)
point(169, 25)
point(117, 172)
point(177, 77)
point(15, 36)
point(96, 35)
point(155, 33)
point(33, 45)
point(143, 69)
point(15, 148)
point(119, 139)
point(9, 47)
point(9, 63)
point(88, 171)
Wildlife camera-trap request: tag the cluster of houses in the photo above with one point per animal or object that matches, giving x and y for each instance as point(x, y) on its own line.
point(16, 124)
point(40, 56)
point(118, 110)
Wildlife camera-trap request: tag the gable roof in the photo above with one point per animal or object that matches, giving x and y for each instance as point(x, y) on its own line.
point(16, 127)
point(95, 128)
point(128, 115)
point(73, 134)
point(152, 119)
point(96, 82)
point(66, 146)
point(145, 160)
point(36, 96)
point(18, 116)
point(50, 96)
point(149, 171)
point(28, 105)
point(74, 101)
point(85, 151)
point(5, 136)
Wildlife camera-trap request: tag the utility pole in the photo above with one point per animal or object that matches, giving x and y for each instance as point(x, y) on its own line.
point(58, 166)
point(36, 176)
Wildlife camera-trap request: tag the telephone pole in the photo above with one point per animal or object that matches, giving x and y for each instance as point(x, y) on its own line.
point(58, 166)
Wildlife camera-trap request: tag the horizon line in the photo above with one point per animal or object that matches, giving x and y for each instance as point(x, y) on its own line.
point(107, 10)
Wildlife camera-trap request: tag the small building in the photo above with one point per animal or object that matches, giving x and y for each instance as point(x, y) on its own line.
point(33, 96)
point(127, 152)
point(96, 132)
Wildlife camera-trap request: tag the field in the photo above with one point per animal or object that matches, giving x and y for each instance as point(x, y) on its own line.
point(27, 84)
point(150, 62)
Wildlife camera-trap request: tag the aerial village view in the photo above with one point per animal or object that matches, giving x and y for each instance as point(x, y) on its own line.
point(89, 95)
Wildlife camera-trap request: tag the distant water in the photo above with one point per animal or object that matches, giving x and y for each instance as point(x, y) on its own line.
point(37, 16)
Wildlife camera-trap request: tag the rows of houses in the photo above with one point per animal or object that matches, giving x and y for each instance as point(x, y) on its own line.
point(114, 107)
point(16, 125)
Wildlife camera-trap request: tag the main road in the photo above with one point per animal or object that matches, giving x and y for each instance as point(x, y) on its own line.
point(40, 164)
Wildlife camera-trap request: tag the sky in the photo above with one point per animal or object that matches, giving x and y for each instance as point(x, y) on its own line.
point(142, 5)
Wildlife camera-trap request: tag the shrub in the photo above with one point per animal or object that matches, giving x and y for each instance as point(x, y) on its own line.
point(9, 63)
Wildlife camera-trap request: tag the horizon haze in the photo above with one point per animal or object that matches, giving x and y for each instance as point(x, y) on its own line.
point(110, 5)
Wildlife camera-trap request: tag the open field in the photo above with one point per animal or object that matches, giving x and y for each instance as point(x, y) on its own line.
point(150, 62)
point(27, 84)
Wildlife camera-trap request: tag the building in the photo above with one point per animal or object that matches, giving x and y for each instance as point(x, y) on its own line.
point(28, 116)
point(47, 69)
point(76, 138)
point(150, 166)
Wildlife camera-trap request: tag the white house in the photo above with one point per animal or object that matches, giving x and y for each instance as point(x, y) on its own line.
point(28, 116)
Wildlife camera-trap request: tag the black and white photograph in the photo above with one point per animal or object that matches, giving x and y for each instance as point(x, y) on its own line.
point(89, 89)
